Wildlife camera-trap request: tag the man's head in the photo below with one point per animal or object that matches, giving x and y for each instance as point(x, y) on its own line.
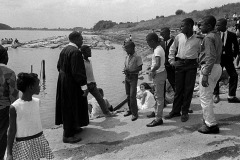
point(221, 25)
point(101, 91)
point(129, 47)
point(187, 25)
point(208, 23)
point(3, 55)
point(165, 33)
point(86, 51)
point(76, 38)
point(152, 40)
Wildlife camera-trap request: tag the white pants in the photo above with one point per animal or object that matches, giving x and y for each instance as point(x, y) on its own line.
point(206, 95)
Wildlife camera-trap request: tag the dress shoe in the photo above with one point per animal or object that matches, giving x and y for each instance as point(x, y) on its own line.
point(208, 130)
point(134, 118)
point(128, 113)
point(216, 98)
point(152, 115)
point(184, 117)
point(170, 116)
point(111, 109)
point(155, 123)
point(73, 139)
point(233, 100)
point(190, 111)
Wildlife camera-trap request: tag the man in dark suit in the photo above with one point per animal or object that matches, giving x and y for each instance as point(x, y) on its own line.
point(229, 52)
point(165, 33)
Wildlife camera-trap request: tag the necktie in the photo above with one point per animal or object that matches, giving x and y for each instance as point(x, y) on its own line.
point(223, 43)
point(223, 38)
point(166, 44)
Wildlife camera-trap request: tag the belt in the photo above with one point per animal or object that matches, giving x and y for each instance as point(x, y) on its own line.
point(29, 137)
point(180, 59)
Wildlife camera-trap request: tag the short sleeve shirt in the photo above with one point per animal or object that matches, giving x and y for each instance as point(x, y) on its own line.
point(158, 52)
point(132, 62)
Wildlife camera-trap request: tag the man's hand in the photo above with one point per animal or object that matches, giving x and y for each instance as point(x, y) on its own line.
point(153, 74)
point(237, 61)
point(205, 81)
point(173, 63)
point(125, 71)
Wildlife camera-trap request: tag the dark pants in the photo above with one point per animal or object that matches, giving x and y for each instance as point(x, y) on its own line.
point(4, 122)
point(97, 95)
point(233, 80)
point(171, 75)
point(131, 91)
point(185, 76)
point(171, 79)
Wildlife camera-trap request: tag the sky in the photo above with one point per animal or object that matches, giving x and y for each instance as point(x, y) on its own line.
point(86, 13)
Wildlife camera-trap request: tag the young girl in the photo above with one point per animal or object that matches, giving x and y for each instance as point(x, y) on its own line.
point(25, 135)
point(145, 98)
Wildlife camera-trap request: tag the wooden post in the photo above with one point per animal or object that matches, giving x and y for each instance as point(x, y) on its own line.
point(43, 62)
point(31, 68)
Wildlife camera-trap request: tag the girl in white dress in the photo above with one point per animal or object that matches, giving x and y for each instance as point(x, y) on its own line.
point(145, 98)
point(25, 135)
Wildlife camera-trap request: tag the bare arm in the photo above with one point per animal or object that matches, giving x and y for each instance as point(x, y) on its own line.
point(11, 130)
point(144, 97)
point(157, 65)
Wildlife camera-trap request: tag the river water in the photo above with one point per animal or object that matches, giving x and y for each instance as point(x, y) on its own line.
point(107, 66)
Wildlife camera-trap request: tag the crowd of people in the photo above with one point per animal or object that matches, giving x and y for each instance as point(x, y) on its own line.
point(177, 60)
point(205, 46)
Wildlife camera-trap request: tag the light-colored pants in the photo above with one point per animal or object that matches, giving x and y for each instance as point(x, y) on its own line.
point(206, 95)
point(159, 83)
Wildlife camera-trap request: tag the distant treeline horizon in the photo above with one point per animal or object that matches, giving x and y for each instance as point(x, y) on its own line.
point(157, 22)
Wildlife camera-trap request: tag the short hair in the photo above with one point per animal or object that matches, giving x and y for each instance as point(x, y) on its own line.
point(165, 29)
point(222, 21)
point(101, 91)
point(74, 35)
point(84, 48)
point(188, 21)
point(152, 36)
point(129, 44)
point(210, 20)
point(26, 80)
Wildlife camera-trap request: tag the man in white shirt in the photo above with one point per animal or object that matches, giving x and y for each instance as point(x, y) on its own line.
point(187, 46)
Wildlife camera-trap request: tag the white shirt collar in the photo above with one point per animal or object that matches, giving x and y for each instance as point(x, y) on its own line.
point(1, 64)
point(73, 44)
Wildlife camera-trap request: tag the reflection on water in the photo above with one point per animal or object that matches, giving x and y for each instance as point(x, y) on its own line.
point(42, 87)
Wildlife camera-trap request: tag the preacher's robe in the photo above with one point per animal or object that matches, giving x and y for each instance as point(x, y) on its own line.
point(71, 106)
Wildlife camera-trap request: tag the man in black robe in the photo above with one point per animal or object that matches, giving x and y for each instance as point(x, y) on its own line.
point(71, 105)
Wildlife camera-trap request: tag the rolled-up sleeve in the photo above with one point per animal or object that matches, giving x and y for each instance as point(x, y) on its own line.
point(13, 91)
point(139, 61)
point(210, 55)
point(173, 50)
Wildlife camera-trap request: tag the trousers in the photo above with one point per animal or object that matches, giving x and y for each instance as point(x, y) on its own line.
point(206, 95)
